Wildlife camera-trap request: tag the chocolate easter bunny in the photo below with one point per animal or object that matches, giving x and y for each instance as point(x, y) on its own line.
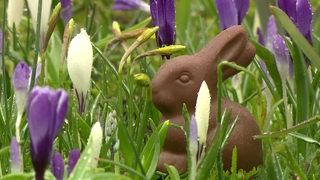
point(178, 81)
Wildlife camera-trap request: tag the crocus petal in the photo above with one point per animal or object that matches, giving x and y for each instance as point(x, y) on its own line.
point(304, 17)
point(260, 36)
point(300, 14)
point(62, 100)
point(193, 135)
point(168, 29)
point(163, 15)
point(127, 5)
point(66, 13)
point(74, 156)
point(280, 49)
point(96, 137)
point(289, 7)
point(40, 113)
point(15, 156)
point(242, 7)
point(202, 112)
point(45, 13)
point(79, 61)
point(15, 10)
point(57, 166)
point(281, 53)
point(227, 13)
point(271, 30)
point(154, 12)
point(193, 146)
point(21, 76)
point(44, 113)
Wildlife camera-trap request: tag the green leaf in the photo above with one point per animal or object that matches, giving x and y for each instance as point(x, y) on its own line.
point(173, 172)
point(234, 163)
point(305, 138)
point(182, 18)
point(150, 154)
point(296, 35)
point(53, 61)
point(125, 147)
point(209, 161)
point(104, 176)
point(82, 168)
point(271, 65)
point(18, 177)
point(302, 82)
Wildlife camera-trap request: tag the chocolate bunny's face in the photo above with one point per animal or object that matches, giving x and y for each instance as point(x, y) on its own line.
point(176, 82)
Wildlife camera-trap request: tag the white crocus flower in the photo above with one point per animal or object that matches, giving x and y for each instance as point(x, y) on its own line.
point(45, 14)
point(96, 138)
point(80, 59)
point(15, 10)
point(202, 114)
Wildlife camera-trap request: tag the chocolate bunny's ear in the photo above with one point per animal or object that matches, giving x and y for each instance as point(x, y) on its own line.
point(230, 45)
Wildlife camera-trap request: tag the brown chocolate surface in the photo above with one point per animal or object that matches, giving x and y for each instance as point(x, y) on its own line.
point(178, 81)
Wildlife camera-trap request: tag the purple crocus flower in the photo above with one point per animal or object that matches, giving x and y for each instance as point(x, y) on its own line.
point(128, 5)
point(276, 44)
point(163, 15)
point(20, 80)
point(193, 146)
point(57, 166)
point(300, 14)
point(231, 12)
point(66, 6)
point(21, 76)
point(15, 156)
point(74, 156)
point(193, 136)
point(46, 111)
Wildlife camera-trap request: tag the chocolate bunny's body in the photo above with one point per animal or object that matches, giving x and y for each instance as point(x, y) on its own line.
point(178, 81)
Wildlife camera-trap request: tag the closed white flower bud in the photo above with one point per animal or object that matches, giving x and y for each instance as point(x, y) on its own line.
point(15, 10)
point(79, 60)
point(202, 112)
point(45, 13)
point(96, 137)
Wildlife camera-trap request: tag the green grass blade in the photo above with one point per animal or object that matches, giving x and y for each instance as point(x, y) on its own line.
point(173, 172)
point(182, 18)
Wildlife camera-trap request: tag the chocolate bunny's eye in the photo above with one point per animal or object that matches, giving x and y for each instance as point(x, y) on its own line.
point(184, 78)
